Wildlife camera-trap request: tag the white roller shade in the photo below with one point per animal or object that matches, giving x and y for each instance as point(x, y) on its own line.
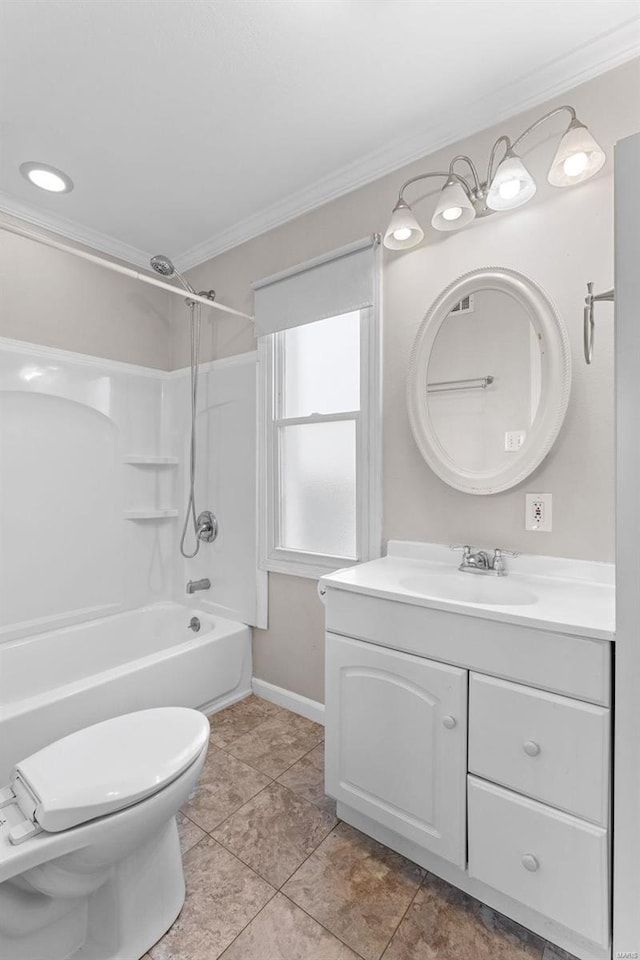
point(328, 286)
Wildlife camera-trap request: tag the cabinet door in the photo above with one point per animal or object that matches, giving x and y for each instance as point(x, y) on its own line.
point(396, 742)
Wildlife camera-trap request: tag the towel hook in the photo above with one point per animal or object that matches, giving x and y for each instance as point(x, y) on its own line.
point(589, 321)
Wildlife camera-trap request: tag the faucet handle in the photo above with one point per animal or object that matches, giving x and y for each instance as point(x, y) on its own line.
point(466, 560)
point(497, 563)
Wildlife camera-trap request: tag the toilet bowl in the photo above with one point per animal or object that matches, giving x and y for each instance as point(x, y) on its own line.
point(90, 862)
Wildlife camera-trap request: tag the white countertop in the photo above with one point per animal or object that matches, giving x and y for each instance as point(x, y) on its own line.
point(547, 593)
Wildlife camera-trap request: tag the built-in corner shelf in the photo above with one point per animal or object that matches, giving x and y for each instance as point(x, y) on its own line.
point(152, 461)
point(150, 514)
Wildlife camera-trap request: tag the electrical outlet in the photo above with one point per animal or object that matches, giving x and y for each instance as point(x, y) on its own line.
point(538, 512)
point(513, 440)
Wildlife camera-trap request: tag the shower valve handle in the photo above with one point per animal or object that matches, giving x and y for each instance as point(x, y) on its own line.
point(207, 526)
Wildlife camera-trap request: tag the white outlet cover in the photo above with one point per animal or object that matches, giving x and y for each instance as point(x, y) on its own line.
point(538, 512)
point(513, 440)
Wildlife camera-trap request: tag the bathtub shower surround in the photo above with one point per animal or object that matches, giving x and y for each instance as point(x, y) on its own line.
point(225, 480)
point(93, 474)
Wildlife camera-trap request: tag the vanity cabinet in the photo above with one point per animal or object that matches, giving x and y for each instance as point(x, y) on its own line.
point(396, 742)
point(480, 750)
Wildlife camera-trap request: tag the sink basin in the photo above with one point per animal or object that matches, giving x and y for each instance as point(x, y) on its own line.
point(469, 588)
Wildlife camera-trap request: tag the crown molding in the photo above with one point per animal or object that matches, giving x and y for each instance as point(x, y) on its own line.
point(72, 230)
point(584, 63)
point(581, 65)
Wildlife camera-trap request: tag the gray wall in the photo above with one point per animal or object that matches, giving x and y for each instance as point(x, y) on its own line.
point(561, 239)
point(56, 299)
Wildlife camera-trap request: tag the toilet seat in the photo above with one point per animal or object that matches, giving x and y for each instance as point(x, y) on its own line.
point(104, 768)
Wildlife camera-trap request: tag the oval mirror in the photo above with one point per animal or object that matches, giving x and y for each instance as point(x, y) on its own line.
point(489, 381)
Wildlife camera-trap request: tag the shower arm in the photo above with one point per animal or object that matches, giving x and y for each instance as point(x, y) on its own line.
point(118, 268)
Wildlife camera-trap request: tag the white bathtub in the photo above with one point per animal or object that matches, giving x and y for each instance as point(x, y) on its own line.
point(54, 683)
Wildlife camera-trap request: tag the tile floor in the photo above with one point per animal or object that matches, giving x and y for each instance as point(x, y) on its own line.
point(272, 874)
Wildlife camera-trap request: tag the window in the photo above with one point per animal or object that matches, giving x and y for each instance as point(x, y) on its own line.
point(320, 413)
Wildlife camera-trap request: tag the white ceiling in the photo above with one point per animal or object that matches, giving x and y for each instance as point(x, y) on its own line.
point(188, 126)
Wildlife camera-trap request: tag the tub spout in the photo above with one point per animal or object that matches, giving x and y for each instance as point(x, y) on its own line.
point(193, 585)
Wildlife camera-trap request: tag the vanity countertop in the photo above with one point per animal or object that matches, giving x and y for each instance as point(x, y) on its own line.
point(547, 593)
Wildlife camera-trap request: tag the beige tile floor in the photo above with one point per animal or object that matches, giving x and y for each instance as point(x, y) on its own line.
point(272, 874)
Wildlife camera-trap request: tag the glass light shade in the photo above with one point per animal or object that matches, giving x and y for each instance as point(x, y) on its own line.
point(577, 158)
point(403, 231)
point(454, 208)
point(512, 185)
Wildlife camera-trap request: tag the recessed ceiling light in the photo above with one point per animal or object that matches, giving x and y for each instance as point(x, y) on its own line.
point(46, 177)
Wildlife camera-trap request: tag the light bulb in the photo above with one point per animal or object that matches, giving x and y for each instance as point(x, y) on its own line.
point(47, 181)
point(509, 189)
point(403, 231)
point(575, 165)
point(577, 158)
point(46, 177)
point(512, 184)
point(454, 208)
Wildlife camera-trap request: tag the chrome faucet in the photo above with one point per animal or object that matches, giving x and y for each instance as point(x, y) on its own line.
point(193, 585)
point(481, 562)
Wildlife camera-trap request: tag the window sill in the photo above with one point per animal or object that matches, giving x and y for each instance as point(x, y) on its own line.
point(312, 569)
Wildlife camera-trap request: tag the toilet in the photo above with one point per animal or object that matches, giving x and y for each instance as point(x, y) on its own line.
point(90, 862)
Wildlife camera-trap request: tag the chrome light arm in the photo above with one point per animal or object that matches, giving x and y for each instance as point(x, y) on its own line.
point(477, 190)
point(543, 119)
point(447, 174)
point(525, 133)
point(492, 156)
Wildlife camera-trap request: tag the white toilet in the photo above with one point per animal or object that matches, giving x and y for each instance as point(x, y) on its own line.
point(90, 861)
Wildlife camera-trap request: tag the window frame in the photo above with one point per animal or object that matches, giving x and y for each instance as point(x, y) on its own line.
point(368, 421)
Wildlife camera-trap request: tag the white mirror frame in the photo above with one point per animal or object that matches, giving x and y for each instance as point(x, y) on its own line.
point(555, 359)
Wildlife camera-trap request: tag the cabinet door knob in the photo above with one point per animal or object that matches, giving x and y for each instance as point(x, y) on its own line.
point(531, 748)
point(529, 862)
point(449, 722)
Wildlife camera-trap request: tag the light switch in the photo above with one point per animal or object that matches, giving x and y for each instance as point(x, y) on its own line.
point(538, 512)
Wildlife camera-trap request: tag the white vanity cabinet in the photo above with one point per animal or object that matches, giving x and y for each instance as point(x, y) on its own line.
point(396, 742)
point(477, 747)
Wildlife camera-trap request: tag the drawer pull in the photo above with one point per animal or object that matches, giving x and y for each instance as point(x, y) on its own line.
point(531, 748)
point(529, 862)
point(449, 722)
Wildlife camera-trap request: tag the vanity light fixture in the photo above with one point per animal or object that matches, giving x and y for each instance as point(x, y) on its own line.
point(46, 177)
point(510, 185)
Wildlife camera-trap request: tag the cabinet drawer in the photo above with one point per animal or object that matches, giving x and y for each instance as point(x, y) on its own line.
point(550, 861)
point(546, 746)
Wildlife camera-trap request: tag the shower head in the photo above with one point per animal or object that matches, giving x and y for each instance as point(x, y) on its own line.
point(162, 265)
point(165, 268)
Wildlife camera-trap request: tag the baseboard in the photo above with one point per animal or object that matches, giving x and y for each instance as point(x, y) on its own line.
point(310, 709)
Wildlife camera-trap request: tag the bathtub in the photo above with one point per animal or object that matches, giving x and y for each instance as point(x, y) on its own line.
point(54, 683)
